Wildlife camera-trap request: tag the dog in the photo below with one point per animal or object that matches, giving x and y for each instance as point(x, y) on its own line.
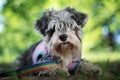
point(62, 40)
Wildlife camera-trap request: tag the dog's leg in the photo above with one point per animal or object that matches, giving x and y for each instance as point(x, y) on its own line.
point(66, 70)
point(89, 68)
point(63, 67)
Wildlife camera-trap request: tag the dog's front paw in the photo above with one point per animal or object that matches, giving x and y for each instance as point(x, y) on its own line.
point(88, 68)
point(49, 73)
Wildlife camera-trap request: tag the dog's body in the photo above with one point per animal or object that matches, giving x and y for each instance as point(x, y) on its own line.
point(62, 34)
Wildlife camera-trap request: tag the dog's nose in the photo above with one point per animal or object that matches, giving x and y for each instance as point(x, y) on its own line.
point(63, 37)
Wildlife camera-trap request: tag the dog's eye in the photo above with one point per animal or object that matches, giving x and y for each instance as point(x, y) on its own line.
point(76, 29)
point(50, 32)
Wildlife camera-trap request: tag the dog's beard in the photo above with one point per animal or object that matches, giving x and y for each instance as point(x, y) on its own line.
point(68, 50)
point(63, 48)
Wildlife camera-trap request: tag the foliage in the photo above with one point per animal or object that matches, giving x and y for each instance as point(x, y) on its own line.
point(20, 16)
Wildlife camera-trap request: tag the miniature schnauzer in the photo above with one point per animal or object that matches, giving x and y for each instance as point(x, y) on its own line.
point(62, 41)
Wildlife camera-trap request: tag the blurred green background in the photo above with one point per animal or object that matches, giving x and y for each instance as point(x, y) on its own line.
point(101, 36)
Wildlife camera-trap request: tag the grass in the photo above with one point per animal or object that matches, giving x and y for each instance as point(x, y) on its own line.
point(108, 61)
point(102, 56)
point(91, 56)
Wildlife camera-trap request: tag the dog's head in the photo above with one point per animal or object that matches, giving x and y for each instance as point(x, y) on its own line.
point(62, 30)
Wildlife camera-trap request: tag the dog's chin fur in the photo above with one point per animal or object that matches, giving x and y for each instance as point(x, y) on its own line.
point(69, 50)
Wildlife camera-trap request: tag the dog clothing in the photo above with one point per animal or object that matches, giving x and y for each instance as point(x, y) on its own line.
point(41, 54)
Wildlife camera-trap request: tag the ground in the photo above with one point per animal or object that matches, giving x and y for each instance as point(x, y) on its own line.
point(109, 62)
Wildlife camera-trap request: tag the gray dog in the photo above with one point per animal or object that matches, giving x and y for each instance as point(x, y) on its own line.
point(62, 41)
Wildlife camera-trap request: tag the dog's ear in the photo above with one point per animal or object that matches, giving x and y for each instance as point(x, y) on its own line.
point(42, 24)
point(79, 17)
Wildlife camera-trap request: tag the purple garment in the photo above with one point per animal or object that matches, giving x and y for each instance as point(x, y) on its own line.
point(41, 54)
point(40, 48)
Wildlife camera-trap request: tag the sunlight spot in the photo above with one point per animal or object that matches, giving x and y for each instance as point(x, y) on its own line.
point(105, 30)
point(2, 2)
point(1, 27)
point(1, 23)
point(118, 39)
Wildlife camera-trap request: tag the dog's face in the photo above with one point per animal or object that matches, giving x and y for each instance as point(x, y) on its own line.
point(62, 31)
